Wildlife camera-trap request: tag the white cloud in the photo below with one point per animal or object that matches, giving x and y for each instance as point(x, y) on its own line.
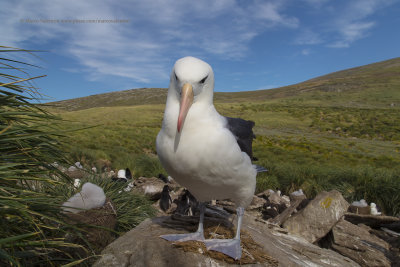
point(269, 12)
point(340, 24)
point(158, 31)
point(305, 52)
point(352, 32)
point(355, 22)
point(308, 37)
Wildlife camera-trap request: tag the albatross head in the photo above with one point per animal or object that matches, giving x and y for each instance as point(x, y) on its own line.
point(192, 81)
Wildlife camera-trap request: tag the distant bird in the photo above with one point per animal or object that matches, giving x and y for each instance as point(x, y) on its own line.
point(122, 175)
point(163, 178)
point(165, 200)
point(78, 165)
point(205, 152)
point(77, 183)
point(128, 173)
point(374, 210)
point(91, 196)
point(186, 204)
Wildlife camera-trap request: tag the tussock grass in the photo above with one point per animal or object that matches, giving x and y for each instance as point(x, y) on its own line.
point(131, 209)
point(31, 226)
point(33, 229)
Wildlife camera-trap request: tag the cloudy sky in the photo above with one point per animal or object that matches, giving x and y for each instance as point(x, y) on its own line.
point(93, 47)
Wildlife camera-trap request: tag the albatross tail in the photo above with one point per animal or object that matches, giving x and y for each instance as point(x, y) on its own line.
point(260, 168)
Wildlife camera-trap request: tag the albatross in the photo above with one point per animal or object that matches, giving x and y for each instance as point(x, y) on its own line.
point(204, 151)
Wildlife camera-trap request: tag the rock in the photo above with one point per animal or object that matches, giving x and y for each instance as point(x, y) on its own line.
point(262, 246)
point(395, 226)
point(276, 198)
point(265, 194)
point(227, 205)
point(76, 173)
point(371, 220)
point(151, 187)
point(318, 217)
point(274, 205)
point(359, 245)
point(393, 241)
point(257, 203)
point(297, 195)
point(281, 218)
point(270, 212)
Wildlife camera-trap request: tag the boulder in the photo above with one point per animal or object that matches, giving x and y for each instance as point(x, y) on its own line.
point(265, 194)
point(318, 217)
point(359, 245)
point(151, 187)
point(276, 198)
point(261, 246)
point(295, 203)
point(257, 203)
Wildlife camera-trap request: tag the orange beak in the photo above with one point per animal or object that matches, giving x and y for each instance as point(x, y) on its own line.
point(186, 102)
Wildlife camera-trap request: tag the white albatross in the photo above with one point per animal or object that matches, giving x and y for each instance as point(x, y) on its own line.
point(205, 152)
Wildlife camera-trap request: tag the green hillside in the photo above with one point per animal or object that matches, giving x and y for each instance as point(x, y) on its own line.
point(341, 131)
point(374, 85)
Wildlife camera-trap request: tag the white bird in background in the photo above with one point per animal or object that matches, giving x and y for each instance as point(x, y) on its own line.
point(374, 210)
point(91, 197)
point(205, 152)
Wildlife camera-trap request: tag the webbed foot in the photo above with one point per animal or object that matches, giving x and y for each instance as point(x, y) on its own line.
point(230, 247)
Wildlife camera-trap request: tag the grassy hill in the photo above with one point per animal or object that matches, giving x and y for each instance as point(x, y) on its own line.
point(341, 131)
point(375, 85)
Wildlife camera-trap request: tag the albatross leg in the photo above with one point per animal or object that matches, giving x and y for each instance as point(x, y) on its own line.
point(197, 236)
point(230, 247)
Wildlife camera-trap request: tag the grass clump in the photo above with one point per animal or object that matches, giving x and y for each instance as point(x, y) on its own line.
point(33, 230)
point(31, 225)
point(131, 209)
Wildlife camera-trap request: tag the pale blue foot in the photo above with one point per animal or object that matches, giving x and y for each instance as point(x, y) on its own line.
point(230, 247)
point(197, 236)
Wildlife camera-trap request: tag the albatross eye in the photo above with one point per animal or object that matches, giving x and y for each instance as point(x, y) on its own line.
point(204, 79)
point(176, 77)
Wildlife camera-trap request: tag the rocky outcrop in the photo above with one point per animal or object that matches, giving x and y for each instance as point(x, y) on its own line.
point(315, 233)
point(372, 220)
point(318, 217)
point(151, 187)
point(359, 245)
point(261, 246)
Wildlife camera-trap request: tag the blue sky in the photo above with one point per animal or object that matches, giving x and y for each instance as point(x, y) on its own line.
point(95, 47)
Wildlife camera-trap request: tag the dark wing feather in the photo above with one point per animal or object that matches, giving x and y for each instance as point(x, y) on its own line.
point(243, 131)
